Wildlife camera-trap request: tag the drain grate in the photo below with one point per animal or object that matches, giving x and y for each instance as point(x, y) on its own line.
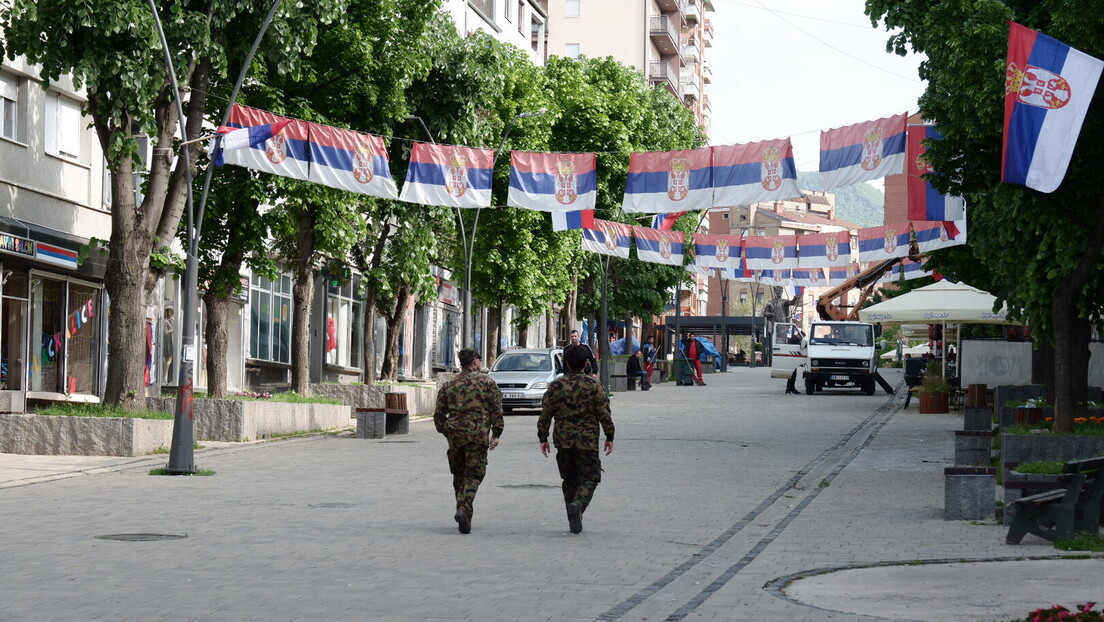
point(142, 537)
point(332, 505)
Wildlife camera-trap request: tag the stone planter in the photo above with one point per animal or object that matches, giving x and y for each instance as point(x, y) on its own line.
point(973, 447)
point(239, 420)
point(934, 402)
point(977, 419)
point(1017, 449)
point(48, 435)
point(420, 400)
point(1009, 415)
point(969, 493)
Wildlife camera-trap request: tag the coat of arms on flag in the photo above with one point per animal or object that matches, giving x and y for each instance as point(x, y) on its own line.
point(771, 169)
point(456, 183)
point(567, 183)
point(678, 179)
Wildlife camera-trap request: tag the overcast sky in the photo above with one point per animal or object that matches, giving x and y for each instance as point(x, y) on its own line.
point(794, 67)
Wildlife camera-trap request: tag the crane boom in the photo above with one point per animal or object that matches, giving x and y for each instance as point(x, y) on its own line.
point(827, 305)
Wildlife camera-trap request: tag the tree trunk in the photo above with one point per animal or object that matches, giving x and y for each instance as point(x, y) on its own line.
point(127, 329)
point(571, 306)
point(550, 329)
point(369, 337)
point(390, 369)
point(494, 325)
point(302, 299)
point(216, 333)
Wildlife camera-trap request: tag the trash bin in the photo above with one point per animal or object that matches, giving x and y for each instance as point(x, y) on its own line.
point(683, 377)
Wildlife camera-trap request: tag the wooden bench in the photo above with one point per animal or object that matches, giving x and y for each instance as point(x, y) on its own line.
point(1061, 512)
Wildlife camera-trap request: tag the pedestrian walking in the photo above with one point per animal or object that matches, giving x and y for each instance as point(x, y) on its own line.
point(469, 414)
point(591, 368)
point(579, 405)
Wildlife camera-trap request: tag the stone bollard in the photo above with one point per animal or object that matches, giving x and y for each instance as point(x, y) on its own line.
point(969, 493)
point(977, 419)
point(973, 447)
point(371, 422)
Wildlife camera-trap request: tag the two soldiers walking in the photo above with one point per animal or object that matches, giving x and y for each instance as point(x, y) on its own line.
point(469, 414)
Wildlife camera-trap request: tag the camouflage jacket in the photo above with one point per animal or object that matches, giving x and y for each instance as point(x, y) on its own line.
point(579, 404)
point(467, 407)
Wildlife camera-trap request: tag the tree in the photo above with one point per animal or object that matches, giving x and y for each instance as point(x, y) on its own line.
point(1055, 282)
point(112, 49)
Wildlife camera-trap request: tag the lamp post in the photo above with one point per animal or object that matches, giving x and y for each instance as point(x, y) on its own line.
point(470, 246)
point(181, 452)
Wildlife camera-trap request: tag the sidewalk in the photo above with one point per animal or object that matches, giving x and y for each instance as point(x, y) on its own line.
point(726, 502)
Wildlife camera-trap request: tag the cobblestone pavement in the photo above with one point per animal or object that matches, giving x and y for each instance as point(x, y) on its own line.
point(731, 501)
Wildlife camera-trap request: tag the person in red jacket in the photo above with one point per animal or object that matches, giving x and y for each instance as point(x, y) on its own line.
point(693, 351)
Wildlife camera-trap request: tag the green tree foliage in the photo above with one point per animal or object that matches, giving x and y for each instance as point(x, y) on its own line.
point(1040, 252)
point(860, 203)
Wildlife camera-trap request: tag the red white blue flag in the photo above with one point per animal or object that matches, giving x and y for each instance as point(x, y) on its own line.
point(284, 152)
point(925, 202)
point(449, 176)
point(608, 238)
point(770, 252)
point(863, 151)
point(552, 182)
point(578, 219)
point(659, 246)
point(886, 242)
point(807, 277)
point(824, 250)
point(1048, 88)
point(716, 251)
point(666, 221)
point(352, 161)
point(933, 235)
point(669, 181)
point(754, 172)
point(907, 269)
point(839, 274)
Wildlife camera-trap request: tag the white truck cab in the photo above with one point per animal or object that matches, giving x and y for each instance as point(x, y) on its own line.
point(833, 354)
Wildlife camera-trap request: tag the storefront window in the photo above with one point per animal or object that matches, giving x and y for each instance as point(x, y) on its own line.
point(270, 318)
point(13, 332)
point(343, 325)
point(83, 350)
point(47, 310)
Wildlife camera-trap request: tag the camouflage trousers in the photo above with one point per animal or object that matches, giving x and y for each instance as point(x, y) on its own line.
point(581, 470)
point(468, 465)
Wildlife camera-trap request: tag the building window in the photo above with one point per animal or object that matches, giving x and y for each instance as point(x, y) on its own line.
point(9, 107)
point(82, 354)
point(66, 325)
point(270, 318)
point(574, 8)
point(572, 50)
point(63, 126)
point(521, 16)
point(343, 325)
point(47, 310)
point(485, 7)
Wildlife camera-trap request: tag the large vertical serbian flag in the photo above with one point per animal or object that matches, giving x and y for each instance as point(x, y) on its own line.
point(552, 182)
point(770, 252)
point(284, 152)
point(925, 202)
point(659, 245)
point(824, 250)
point(351, 161)
point(669, 181)
point(1048, 88)
point(449, 176)
point(886, 242)
point(862, 151)
point(754, 172)
point(608, 238)
point(716, 251)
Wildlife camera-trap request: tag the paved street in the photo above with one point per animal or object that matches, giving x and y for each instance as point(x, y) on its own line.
point(714, 500)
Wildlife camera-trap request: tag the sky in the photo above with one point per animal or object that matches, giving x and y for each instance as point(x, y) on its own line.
point(796, 67)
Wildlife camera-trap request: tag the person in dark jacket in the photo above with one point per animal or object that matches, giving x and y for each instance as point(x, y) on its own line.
point(693, 351)
point(591, 368)
point(634, 369)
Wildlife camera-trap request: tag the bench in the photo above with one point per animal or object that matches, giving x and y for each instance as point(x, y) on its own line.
point(630, 382)
point(1061, 512)
point(378, 422)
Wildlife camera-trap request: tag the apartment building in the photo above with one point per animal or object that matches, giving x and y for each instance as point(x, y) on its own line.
point(523, 23)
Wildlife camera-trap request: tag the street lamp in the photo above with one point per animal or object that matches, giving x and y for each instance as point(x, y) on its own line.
point(470, 250)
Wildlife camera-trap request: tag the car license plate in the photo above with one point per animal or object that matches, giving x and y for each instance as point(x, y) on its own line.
point(514, 396)
point(840, 378)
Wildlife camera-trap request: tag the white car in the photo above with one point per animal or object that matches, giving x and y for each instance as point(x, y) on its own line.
point(523, 376)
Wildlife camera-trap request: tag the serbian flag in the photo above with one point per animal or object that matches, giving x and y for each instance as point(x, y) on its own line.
point(666, 221)
point(807, 277)
point(283, 151)
point(449, 176)
point(1048, 87)
point(839, 274)
point(754, 172)
point(824, 250)
point(907, 269)
point(736, 274)
point(607, 238)
point(775, 277)
point(352, 161)
point(578, 219)
point(716, 251)
point(552, 182)
point(933, 235)
point(887, 242)
point(769, 252)
point(669, 181)
point(925, 202)
point(660, 246)
point(862, 151)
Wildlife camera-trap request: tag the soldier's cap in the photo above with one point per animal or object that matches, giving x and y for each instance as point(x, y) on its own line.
point(467, 355)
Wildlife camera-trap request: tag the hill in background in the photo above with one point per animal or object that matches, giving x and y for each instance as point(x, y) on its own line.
point(861, 204)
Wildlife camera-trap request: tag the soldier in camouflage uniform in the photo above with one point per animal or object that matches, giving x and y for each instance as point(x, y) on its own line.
point(579, 404)
point(469, 409)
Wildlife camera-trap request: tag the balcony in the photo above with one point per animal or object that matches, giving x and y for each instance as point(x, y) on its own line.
point(707, 72)
point(690, 52)
point(664, 35)
point(707, 33)
point(691, 12)
point(670, 6)
point(691, 92)
point(705, 103)
point(661, 73)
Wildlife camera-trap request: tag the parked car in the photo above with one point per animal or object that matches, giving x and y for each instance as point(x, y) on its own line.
point(523, 376)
